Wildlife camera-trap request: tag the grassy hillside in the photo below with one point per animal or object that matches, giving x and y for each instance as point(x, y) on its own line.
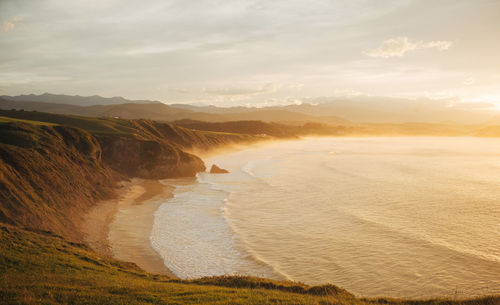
point(279, 130)
point(53, 168)
point(4, 119)
point(141, 148)
point(38, 267)
point(126, 109)
point(49, 175)
point(244, 127)
point(143, 128)
point(274, 121)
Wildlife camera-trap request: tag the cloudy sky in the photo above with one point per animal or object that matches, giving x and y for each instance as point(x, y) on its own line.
point(251, 52)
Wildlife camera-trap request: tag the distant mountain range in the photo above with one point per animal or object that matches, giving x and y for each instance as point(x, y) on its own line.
point(86, 106)
point(331, 112)
point(75, 99)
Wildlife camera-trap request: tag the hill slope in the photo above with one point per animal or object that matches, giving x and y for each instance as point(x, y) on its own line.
point(40, 267)
point(49, 175)
point(55, 168)
point(153, 111)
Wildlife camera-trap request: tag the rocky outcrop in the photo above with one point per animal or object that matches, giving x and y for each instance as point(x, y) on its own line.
point(217, 170)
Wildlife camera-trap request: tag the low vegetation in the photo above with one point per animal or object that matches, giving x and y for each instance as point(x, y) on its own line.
point(50, 175)
point(38, 267)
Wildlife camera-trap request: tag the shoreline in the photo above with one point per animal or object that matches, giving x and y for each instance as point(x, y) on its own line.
point(121, 227)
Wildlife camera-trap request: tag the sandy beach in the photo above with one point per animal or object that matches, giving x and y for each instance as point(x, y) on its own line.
point(121, 227)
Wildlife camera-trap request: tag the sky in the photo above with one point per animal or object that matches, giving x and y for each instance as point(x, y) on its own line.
point(252, 52)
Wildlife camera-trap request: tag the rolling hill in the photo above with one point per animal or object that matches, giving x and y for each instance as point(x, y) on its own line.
point(158, 111)
point(331, 111)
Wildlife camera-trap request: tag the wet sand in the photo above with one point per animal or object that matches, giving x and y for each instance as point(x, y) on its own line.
point(120, 228)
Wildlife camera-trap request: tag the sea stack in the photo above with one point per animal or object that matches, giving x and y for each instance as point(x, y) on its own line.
point(217, 170)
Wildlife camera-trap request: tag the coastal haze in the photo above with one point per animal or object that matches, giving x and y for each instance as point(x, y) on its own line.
point(400, 217)
point(250, 152)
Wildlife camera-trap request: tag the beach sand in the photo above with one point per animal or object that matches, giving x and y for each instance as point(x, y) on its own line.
point(121, 227)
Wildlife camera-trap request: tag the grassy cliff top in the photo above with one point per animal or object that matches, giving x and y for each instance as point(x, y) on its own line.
point(38, 267)
point(4, 119)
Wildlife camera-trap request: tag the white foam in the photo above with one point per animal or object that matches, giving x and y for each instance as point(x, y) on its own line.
point(384, 216)
point(192, 234)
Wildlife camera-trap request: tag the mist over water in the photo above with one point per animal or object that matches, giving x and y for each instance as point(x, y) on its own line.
point(400, 217)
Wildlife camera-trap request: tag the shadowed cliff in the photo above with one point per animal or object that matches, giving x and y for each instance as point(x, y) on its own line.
point(55, 167)
point(49, 175)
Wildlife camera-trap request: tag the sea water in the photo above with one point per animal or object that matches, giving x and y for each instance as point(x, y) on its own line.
point(399, 217)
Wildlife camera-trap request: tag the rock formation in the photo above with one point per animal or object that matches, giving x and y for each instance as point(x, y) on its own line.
point(217, 170)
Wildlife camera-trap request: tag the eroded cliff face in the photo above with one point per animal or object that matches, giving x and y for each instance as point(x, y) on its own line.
point(151, 159)
point(49, 176)
point(52, 173)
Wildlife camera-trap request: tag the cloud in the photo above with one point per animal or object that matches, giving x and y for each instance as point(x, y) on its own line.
point(268, 88)
point(225, 93)
point(234, 48)
point(399, 46)
point(469, 81)
point(9, 25)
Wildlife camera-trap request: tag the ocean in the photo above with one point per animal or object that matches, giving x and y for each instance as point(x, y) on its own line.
point(398, 217)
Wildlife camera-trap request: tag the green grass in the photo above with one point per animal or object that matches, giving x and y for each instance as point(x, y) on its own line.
point(4, 119)
point(94, 125)
point(91, 124)
point(38, 267)
point(104, 128)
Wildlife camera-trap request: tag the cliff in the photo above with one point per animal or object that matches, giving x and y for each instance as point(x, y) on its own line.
point(55, 167)
point(148, 158)
point(49, 175)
